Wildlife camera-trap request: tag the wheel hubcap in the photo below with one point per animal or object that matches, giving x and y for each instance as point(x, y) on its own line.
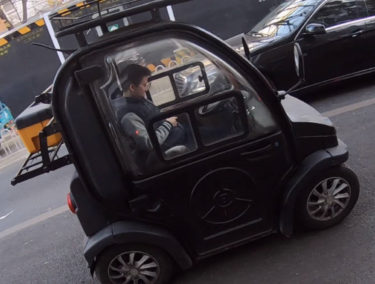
point(328, 199)
point(133, 267)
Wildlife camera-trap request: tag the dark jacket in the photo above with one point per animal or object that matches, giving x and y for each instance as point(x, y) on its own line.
point(133, 114)
point(140, 106)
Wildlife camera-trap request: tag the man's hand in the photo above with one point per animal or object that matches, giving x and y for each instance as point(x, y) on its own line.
point(172, 120)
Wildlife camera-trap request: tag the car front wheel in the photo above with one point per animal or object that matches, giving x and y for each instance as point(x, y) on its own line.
point(328, 198)
point(134, 264)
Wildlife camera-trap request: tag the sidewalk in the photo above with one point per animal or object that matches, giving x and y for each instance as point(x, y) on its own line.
point(13, 157)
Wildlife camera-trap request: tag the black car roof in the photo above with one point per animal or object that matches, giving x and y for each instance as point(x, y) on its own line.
point(77, 24)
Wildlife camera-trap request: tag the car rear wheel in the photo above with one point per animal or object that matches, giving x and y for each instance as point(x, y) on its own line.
point(328, 198)
point(136, 264)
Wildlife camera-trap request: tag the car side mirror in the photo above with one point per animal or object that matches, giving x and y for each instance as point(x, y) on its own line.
point(281, 94)
point(315, 29)
point(299, 68)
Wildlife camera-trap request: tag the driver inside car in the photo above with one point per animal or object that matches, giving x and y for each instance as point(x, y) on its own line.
point(134, 111)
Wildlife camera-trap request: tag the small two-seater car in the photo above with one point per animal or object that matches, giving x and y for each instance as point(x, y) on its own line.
point(256, 161)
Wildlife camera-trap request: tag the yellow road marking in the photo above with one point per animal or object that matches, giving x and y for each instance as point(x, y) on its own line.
point(24, 30)
point(40, 22)
point(3, 41)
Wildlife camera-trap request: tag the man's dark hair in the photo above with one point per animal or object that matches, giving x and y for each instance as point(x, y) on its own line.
point(133, 74)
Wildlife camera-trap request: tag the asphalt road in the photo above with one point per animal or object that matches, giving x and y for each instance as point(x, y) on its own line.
point(41, 242)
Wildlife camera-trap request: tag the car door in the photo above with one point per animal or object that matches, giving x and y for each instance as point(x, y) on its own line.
point(341, 50)
point(219, 184)
point(227, 193)
point(370, 34)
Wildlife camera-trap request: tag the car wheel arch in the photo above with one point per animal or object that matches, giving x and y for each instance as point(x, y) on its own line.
point(310, 166)
point(126, 232)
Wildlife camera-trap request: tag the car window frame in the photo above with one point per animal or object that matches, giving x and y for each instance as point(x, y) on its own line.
point(349, 21)
point(202, 148)
point(368, 11)
point(170, 73)
point(299, 34)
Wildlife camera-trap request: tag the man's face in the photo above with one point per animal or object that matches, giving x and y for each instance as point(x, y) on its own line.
point(140, 90)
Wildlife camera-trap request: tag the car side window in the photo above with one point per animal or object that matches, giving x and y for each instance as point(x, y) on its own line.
point(215, 122)
point(370, 5)
point(240, 114)
point(219, 121)
point(336, 12)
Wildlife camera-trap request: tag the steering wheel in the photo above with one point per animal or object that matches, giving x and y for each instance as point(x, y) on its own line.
point(229, 104)
point(206, 109)
point(219, 85)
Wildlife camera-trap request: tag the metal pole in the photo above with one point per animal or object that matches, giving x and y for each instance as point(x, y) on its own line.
point(53, 38)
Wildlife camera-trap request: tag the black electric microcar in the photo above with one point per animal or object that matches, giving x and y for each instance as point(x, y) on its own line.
point(253, 161)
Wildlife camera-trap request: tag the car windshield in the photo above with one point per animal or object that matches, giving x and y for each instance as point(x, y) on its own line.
point(284, 19)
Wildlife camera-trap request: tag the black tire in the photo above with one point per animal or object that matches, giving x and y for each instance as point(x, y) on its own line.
point(158, 263)
point(342, 184)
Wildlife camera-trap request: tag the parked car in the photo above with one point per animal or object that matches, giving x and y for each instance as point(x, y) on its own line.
point(336, 38)
point(254, 162)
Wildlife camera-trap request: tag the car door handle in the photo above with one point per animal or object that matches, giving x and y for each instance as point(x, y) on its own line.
point(357, 33)
point(258, 151)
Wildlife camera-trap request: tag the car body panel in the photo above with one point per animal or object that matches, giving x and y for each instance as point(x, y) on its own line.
point(247, 221)
point(311, 165)
point(124, 232)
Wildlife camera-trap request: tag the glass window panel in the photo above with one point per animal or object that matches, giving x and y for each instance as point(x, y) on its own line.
point(259, 117)
point(219, 121)
point(284, 19)
point(189, 81)
point(161, 91)
point(339, 12)
point(370, 4)
point(175, 139)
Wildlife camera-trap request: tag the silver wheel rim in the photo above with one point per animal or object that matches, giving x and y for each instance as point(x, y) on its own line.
point(133, 267)
point(328, 199)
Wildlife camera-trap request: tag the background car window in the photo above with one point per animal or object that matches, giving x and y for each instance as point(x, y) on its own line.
point(370, 4)
point(338, 12)
point(284, 19)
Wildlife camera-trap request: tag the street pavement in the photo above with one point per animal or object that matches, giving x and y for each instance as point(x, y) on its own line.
point(41, 242)
point(29, 199)
point(14, 157)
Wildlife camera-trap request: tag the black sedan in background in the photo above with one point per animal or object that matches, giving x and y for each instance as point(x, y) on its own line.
point(336, 37)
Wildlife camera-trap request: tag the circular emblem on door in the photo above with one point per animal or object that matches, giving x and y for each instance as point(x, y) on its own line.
point(222, 196)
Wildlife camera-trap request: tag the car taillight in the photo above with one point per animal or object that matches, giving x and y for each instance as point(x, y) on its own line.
point(71, 204)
